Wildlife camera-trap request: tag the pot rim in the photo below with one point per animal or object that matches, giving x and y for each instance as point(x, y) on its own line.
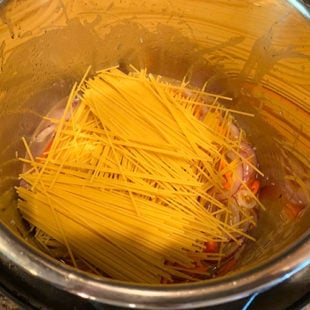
point(172, 296)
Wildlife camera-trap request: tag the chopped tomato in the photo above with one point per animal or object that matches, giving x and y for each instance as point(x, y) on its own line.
point(227, 267)
point(211, 247)
point(291, 211)
point(255, 187)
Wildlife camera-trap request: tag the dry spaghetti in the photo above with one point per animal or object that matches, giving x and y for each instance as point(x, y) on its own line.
point(143, 180)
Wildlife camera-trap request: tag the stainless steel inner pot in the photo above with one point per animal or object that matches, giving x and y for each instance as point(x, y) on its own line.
point(257, 52)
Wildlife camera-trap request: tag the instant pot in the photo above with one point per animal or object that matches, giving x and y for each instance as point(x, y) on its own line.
point(256, 52)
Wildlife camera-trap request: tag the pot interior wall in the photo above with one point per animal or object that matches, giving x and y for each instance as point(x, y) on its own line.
point(259, 54)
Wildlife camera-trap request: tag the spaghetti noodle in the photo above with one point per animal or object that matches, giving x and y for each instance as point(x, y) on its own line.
point(143, 181)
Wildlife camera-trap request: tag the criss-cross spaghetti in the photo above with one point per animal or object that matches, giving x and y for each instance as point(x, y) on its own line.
point(143, 180)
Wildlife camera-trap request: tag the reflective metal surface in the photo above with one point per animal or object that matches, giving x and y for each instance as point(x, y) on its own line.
point(255, 51)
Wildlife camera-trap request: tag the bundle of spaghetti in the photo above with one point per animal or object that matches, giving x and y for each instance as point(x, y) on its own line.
point(131, 181)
